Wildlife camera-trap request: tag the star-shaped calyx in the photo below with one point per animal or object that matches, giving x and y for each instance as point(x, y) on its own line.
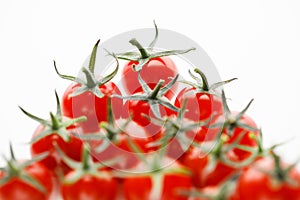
point(144, 55)
point(56, 125)
point(91, 82)
point(17, 170)
point(155, 97)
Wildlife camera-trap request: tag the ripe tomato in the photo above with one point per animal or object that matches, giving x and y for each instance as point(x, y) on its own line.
point(88, 97)
point(141, 110)
point(246, 139)
point(263, 180)
point(156, 69)
point(55, 131)
point(162, 184)
point(19, 189)
point(91, 106)
point(26, 180)
point(47, 144)
point(87, 179)
point(199, 105)
point(240, 128)
point(90, 187)
point(207, 169)
point(202, 103)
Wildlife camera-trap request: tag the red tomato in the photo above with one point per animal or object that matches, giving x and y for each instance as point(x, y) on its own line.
point(256, 183)
point(47, 144)
point(90, 187)
point(138, 110)
point(156, 69)
point(199, 105)
point(157, 185)
point(200, 162)
point(91, 106)
point(16, 188)
point(246, 139)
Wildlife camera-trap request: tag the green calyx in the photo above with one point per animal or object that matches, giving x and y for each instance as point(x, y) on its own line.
point(177, 127)
point(56, 124)
point(153, 96)
point(15, 169)
point(112, 130)
point(91, 83)
point(201, 84)
point(87, 166)
point(109, 131)
point(280, 173)
point(146, 54)
point(232, 121)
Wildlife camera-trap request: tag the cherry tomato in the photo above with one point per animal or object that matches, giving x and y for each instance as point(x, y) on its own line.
point(156, 69)
point(246, 140)
point(199, 105)
point(47, 144)
point(25, 179)
point(91, 106)
point(90, 187)
point(87, 179)
point(263, 180)
point(140, 111)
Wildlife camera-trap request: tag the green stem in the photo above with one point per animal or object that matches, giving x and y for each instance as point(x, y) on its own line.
point(278, 170)
point(12, 154)
point(93, 58)
point(143, 51)
point(157, 89)
point(218, 149)
point(205, 85)
point(89, 78)
point(86, 157)
point(55, 122)
point(110, 117)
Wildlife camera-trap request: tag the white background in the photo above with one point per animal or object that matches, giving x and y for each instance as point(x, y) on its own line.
point(255, 41)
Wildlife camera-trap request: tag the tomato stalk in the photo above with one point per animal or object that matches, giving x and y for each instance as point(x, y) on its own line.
point(233, 121)
point(155, 97)
point(87, 166)
point(91, 83)
point(146, 54)
point(202, 84)
point(56, 124)
point(15, 169)
point(177, 127)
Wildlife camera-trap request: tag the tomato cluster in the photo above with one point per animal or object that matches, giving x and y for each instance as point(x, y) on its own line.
point(158, 141)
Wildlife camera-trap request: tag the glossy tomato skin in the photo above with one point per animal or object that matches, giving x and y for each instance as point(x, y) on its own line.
point(53, 161)
point(255, 183)
point(156, 69)
point(198, 162)
point(199, 105)
point(139, 187)
point(246, 139)
point(139, 109)
point(90, 187)
point(16, 189)
point(94, 108)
